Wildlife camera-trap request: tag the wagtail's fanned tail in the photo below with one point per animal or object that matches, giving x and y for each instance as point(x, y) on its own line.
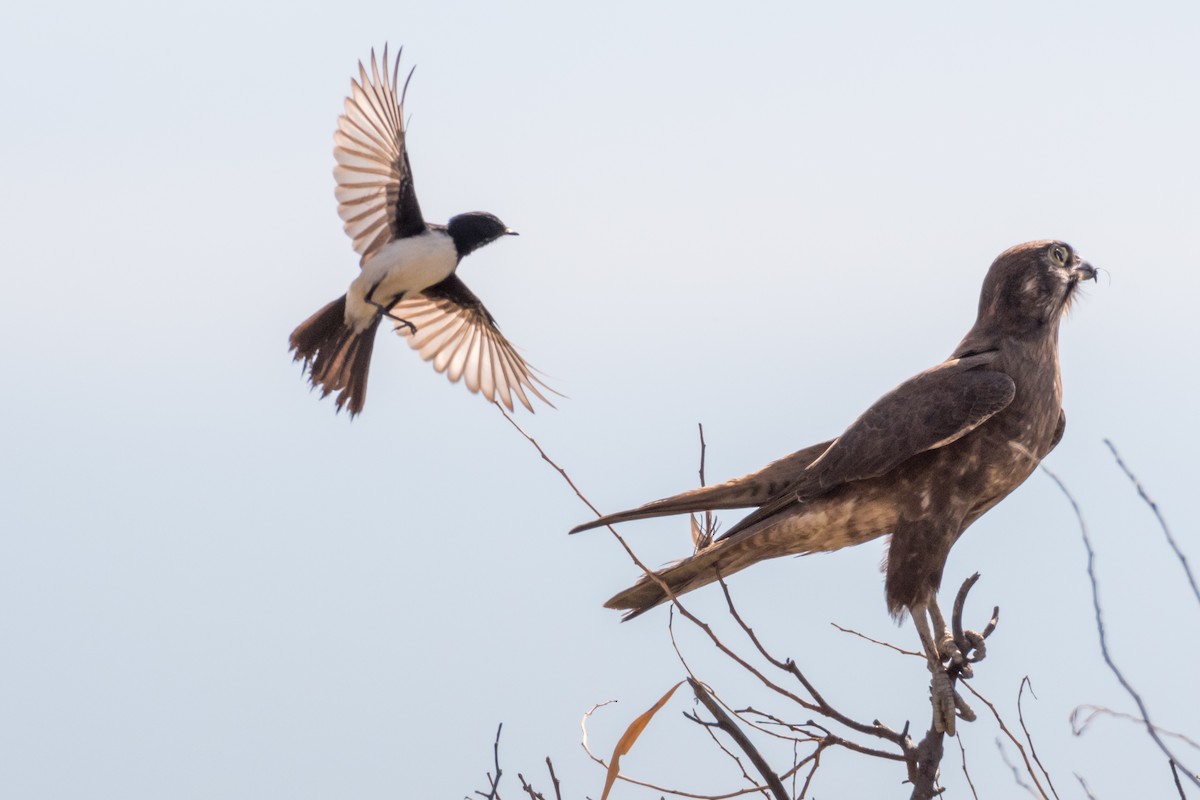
point(336, 356)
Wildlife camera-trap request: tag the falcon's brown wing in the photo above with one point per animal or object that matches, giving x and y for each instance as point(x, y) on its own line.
point(928, 411)
point(460, 338)
point(375, 193)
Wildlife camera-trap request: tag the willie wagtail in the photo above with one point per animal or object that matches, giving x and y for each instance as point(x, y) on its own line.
point(407, 266)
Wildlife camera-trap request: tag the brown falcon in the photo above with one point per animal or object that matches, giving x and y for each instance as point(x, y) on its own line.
point(922, 463)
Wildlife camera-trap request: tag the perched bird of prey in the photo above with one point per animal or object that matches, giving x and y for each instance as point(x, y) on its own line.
point(407, 267)
point(922, 463)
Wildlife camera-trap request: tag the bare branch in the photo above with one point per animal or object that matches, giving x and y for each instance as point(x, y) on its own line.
point(1015, 772)
point(1078, 727)
point(691, 674)
point(816, 764)
point(1086, 789)
point(710, 729)
point(1091, 570)
point(529, 790)
point(1020, 747)
point(494, 782)
point(651, 574)
point(1162, 523)
point(821, 705)
point(963, 750)
point(706, 534)
point(1178, 785)
point(726, 724)
point(554, 779)
point(1032, 750)
point(888, 645)
point(550, 461)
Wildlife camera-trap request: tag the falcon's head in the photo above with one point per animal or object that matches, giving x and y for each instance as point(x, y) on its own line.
point(1030, 286)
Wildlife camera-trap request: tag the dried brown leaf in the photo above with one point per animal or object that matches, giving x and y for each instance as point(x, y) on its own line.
point(629, 737)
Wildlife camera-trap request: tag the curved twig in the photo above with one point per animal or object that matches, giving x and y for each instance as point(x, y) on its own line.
point(1162, 523)
point(1091, 570)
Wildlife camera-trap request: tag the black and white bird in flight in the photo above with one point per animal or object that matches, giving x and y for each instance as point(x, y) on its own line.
point(407, 267)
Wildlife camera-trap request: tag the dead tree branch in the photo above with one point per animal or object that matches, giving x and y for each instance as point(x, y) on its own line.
point(1091, 570)
point(1093, 712)
point(1162, 523)
point(1016, 742)
point(1178, 785)
point(493, 792)
point(725, 723)
point(1029, 739)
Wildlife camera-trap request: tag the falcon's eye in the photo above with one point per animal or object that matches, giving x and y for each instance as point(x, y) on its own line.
point(1059, 254)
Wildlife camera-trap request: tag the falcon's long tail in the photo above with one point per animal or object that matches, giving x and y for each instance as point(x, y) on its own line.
point(719, 560)
point(337, 358)
point(754, 489)
point(841, 518)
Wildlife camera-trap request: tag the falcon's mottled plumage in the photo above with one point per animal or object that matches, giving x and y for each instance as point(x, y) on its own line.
point(407, 266)
point(922, 463)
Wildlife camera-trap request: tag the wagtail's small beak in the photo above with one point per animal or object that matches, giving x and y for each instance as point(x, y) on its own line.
point(510, 232)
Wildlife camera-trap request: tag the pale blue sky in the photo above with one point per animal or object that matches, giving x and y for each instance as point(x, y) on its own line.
point(212, 586)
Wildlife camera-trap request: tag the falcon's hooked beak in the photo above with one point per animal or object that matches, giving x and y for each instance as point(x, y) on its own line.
point(1083, 271)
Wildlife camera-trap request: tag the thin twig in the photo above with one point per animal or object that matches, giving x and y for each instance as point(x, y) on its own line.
point(1091, 570)
point(550, 461)
point(494, 794)
point(691, 674)
point(888, 645)
point(1032, 750)
point(1078, 727)
point(816, 759)
point(963, 750)
point(1086, 789)
point(651, 574)
point(554, 779)
point(1016, 772)
point(706, 536)
point(529, 790)
point(710, 728)
point(1016, 742)
point(1162, 523)
point(820, 705)
point(1178, 785)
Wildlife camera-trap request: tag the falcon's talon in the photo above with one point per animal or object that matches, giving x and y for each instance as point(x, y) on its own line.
point(965, 711)
point(975, 648)
point(949, 651)
point(944, 699)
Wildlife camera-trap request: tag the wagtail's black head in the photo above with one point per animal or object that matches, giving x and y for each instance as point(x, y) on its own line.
point(474, 229)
